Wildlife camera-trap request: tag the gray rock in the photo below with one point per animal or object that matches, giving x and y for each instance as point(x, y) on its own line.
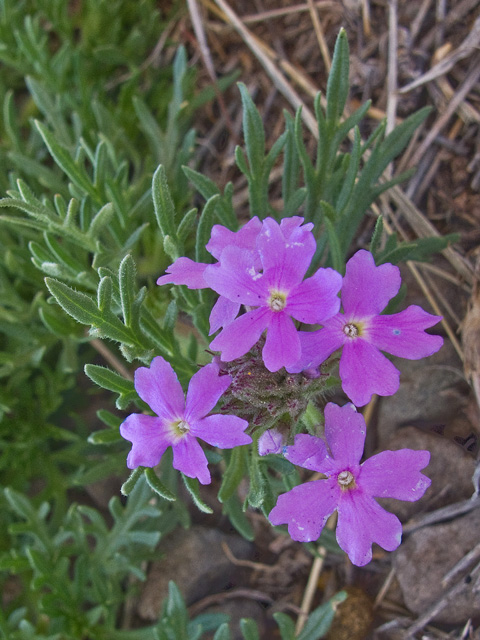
point(427, 556)
point(450, 470)
point(195, 561)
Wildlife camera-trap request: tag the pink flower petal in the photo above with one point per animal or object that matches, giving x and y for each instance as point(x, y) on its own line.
point(187, 272)
point(293, 230)
point(403, 334)
point(315, 299)
point(289, 261)
point(317, 346)
point(204, 391)
point(240, 336)
point(190, 459)
point(244, 238)
point(222, 431)
point(395, 474)
point(237, 278)
point(345, 432)
point(306, 509)
point(365, 371)
point(282, 346)
point(149, 440)
point(224, 312)
point(271, 441)
point(159, 387)
point(308, 452)
point(366, 288)
point(362, 521)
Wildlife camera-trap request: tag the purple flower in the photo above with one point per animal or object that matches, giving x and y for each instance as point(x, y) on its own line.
point(180, 422)
point(350, 487)
point(190, 273)
point(363, 333)
point(278, 293)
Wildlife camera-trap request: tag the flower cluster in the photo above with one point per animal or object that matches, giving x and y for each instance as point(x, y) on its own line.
point(273, 359)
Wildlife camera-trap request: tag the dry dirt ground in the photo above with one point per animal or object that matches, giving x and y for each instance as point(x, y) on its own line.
point(404, 55)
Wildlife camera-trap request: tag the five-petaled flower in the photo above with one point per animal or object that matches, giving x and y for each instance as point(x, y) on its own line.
point(275, 295)
point(180, 422)
point(350, 487)
point(364, 333)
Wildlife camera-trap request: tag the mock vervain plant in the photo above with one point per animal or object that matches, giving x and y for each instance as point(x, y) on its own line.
point(257, 323)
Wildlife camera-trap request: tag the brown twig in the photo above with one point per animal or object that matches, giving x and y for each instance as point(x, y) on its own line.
point(312, 583)
point(258, 566)
point(111, 358)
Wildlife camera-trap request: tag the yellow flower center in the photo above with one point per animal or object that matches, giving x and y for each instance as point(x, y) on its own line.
point(277, 301)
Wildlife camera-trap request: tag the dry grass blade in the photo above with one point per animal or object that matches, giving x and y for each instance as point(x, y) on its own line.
point(259, 50)
point(317, 25)
point(207, 58)
point(466, 49)
point(462, 91)
point(392, 67)
point(425, 229)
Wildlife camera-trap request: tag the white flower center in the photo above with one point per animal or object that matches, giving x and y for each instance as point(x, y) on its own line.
point(351, 330)
point(346, 480)
point(277, 301)
point(179, 429)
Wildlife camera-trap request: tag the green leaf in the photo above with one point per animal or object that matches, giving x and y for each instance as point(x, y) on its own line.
point(351, 173)
point(126, 281)
point(104, 294)
point(376, 238)
point(129, 484)
point(187, 225)
point(104, 436)
point(193, 488)
point(233, 509)
point(163, 203)
point(320, 620)
point(64, 160)
point(256, 492)
point(286, 625)
point(157, 486)
point(334, 244)
point(204, 230)
point(233, 473)
point(291, 163)
point(253, 132)
point(249, 629)
point(84, 310)
point(208, 189)
point(108, 379)
point(398, 139)
point(101, 220)
point(338, 84)
point(223, 632)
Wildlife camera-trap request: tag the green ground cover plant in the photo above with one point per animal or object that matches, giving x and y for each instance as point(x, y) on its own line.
point(98, 156)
